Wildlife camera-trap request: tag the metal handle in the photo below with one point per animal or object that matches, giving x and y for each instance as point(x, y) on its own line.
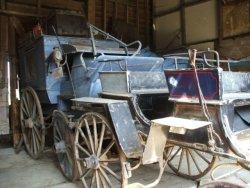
point(108, 36)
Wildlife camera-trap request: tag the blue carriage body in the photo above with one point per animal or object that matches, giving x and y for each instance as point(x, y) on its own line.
point(37, 66)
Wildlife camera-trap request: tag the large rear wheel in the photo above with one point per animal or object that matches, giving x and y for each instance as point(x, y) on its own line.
point(97, 153)
point(32, 123)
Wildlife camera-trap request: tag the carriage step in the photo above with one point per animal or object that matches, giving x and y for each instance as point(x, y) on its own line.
point(180, 125)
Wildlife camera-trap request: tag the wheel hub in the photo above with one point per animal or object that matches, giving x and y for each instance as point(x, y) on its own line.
point(92, 162)
point(29, 123)
point(60, 147)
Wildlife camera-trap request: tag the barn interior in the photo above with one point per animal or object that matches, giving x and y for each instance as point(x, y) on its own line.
point(162, 27)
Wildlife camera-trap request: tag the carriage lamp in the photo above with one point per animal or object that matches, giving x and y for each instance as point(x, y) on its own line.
point(57, 55)
point(57, 58)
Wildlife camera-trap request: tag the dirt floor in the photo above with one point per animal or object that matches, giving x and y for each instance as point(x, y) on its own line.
point(20, 171)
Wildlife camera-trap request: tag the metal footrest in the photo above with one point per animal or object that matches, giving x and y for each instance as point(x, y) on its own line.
point(180, 125)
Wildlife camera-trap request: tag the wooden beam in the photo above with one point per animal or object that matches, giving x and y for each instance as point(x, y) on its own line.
point(137, 17)
point(22, 14)
point(219, 22)
point(115, 10)
point(104, 15)
point(17, 25)
point(175, 9)
point(39, 6)
point(91, 11)
point(183, 23)
point(126, 13)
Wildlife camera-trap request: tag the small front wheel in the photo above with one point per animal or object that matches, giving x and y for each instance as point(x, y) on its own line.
point(188, 162)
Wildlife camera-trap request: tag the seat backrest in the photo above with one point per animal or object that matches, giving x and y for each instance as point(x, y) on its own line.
point(133, 82)
point(182, 84)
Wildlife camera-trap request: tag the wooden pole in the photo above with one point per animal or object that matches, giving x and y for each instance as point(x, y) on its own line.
point(14, 108)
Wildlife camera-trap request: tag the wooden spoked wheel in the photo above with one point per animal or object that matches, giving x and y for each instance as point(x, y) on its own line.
point(32, 123)
point(189, 163)
point(63, 145)
point(97, 153)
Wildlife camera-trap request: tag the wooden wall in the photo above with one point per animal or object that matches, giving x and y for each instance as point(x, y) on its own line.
point(235, 30)
point(183, 23)
point(128, 20)
point(202, 24)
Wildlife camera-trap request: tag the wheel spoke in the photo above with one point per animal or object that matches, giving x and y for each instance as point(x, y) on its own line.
point(177, 151)
point(95, 134)
point(37, 142)
point(201, 156)
point(180, 161)
point(105, 177)
point(112, 160)
point(26, 106)
point(104, 184)
point(27, 98)
point(107, 148)
point(37, 133)
point(24, 110)
point(101, 140)
point(93, 179)
point(86, 173)
point(58, 131)
point(97, 179)
point(82, 149)
point(34, 142)
point(85, 138)
point(111, 172)
point(188, 162)
point(195, 162)
point(69, 157)
point(167, 155)
point(30, 138)
point(34, 111)
point(90, 136)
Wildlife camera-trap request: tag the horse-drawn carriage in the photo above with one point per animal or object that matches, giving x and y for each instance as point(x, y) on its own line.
point(112, 111)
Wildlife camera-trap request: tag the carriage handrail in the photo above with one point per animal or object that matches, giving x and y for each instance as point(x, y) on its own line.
point(108, 36)
point(184, 56)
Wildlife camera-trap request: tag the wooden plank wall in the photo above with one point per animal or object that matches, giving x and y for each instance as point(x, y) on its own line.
point(4, 106)
point(127, 20)
point(235, 30)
